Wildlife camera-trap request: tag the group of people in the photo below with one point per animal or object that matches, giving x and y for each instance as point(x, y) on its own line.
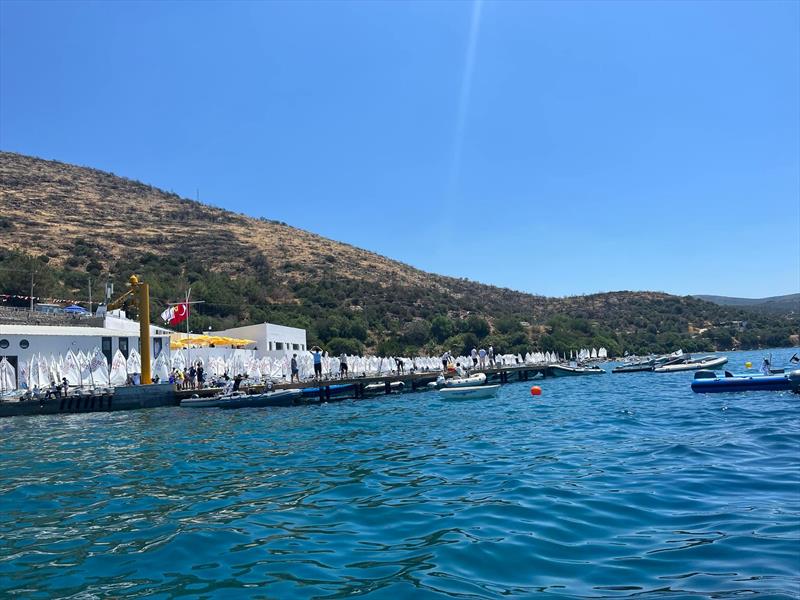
point(479, 359)
point(316, 355)
point(54, 391)
point(190, 378)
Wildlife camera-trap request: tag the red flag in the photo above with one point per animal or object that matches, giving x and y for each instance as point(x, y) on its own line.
point(176, 314)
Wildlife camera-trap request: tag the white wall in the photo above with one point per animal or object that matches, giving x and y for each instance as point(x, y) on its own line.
point(54, 344)
point(269, 337)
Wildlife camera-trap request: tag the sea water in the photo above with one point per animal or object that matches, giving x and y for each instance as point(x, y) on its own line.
point(604, 486)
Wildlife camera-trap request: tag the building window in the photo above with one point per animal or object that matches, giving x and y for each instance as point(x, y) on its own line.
point(4, 344)
point(123, 347)
point(105, 344)
point(24, 344)
point(295, 346)
point(157, 347)
point(278, 345)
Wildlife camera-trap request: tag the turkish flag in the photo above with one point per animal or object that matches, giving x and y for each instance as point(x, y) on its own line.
point(176, 314)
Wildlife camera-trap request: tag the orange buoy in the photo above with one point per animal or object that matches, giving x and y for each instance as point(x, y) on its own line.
point(536, 391)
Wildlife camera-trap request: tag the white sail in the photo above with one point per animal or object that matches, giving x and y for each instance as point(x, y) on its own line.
point(8, 376)
point(134, 364)
point(72, 370)
point(98, 367)
point(161, 368)
point(119, 369)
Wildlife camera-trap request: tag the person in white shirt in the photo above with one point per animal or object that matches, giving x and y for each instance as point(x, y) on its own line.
point(474, 355)
point(445, 361)
point(482, 358)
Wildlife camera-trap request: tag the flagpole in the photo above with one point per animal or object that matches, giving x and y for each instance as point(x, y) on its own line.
point(188, 346)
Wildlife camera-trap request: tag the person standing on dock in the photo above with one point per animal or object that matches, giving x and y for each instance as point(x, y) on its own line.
point(295, 370)
point(445, 361)
point(482, 357)
point(474, 355)
point(491, 355)
point(316, 352)
point(343, 366)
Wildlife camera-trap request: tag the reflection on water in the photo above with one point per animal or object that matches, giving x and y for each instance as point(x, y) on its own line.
point(611, 485)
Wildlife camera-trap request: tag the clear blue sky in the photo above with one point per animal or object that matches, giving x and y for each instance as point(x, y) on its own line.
point(557, 148)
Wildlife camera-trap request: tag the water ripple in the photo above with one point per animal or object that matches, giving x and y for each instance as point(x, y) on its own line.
point(587, 491)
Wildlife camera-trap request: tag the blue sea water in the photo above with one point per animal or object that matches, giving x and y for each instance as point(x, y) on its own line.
point(605, 486)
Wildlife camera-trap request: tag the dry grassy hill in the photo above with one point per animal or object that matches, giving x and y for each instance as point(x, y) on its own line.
point(83, 220)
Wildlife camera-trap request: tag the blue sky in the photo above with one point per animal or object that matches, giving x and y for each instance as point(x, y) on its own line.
point(557, 148)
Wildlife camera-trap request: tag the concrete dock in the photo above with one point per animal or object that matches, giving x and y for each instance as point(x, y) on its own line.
point(151, 396)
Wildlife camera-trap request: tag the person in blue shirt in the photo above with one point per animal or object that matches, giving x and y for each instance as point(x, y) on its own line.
point(316, 352)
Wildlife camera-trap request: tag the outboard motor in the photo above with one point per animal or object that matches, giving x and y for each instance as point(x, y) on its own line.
point(794, 378)
point(705, 374)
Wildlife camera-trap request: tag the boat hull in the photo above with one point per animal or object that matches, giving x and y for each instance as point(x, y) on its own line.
point(693, 366)
point(748, 383)
point(471, 381)
point(374, 389)
point(278, 398)
point(469, 392)
point(337, 389)
point(564, 371)
point(200, 402)
point(632, 368)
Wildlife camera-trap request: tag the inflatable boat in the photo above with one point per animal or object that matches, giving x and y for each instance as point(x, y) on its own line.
point(708, 382)
point(472, 380)
point(567, 370)
point(469, 392)
point(242, 400)
point(707, 362)
point(380, 388)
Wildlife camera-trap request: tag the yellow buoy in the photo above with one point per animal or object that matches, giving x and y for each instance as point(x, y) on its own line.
point(748, 364)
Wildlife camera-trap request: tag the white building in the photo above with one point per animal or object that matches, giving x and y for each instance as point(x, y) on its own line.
point(19, 342)
point(270, 339)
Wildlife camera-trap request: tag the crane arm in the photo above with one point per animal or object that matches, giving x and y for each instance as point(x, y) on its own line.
point(115, 304)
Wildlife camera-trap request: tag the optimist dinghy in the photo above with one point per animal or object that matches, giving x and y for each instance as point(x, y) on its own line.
point(469, 392)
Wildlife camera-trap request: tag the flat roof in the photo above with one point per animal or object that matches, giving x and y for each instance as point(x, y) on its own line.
point(63, 330)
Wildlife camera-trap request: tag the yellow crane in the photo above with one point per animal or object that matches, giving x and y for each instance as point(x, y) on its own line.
point(141, 290)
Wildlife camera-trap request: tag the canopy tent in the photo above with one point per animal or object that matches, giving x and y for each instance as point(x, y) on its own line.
point(179, 341)
point(75, 309)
